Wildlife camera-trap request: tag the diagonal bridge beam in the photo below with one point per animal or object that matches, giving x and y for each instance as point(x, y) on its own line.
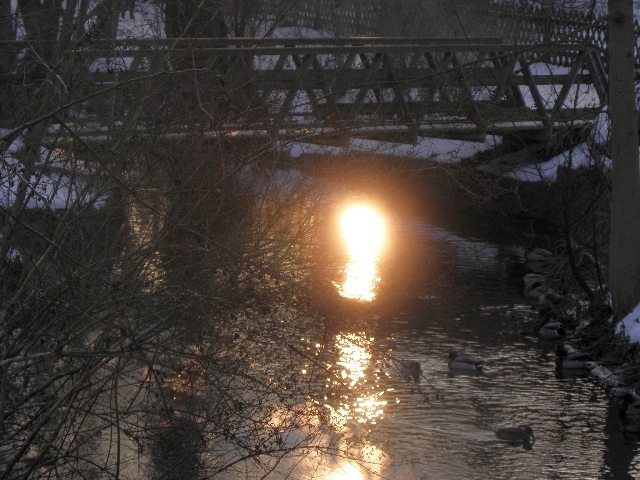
point(282, 87)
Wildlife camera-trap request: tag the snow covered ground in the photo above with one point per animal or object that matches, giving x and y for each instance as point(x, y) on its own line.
point(630, 325)
point(65, 185)
point(141, 20)
point(577, 157)
point(435, 149)
point(580, 96)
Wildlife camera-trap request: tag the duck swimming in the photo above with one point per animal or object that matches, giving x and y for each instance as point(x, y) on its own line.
point(552, 331)
point(573, 360)
point(536, 289)
point(632, 424)
point(464, 362)
point(522, 434)
point(534, 285)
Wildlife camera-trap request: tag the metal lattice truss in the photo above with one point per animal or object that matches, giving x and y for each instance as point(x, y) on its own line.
point(280, 86)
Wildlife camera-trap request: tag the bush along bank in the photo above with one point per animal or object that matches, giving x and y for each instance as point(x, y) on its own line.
point(564, 205)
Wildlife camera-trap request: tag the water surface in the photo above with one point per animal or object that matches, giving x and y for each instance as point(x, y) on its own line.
point(464, 294)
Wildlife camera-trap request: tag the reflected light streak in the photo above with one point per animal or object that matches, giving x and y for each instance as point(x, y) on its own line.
point(144, 228)
point(353, 402)
point(346, 472)
point(362, 405)
point(363, 231)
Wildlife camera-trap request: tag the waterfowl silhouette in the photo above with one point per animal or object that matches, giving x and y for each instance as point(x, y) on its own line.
point(534, 285)
point(552, 331)
point(574, 360)
point(520, 435)
point(464, 362)
point(536, 289)
point(631, 415)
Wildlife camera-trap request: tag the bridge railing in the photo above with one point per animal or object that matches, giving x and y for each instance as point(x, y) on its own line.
point(279, 85)
point(533, 23)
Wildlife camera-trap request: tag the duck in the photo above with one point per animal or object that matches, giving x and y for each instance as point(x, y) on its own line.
point(464, 362)
point(522, 434)
point(578, 361)
point(552, 331)
point(535, 288)
point(574, 360)
point(534, 285)
point(538, 254)
point(410, 369)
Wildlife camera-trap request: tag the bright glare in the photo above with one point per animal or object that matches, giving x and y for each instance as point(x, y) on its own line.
point(361, 279)
point(346, 472)
point(363, 231)
point(363, 405)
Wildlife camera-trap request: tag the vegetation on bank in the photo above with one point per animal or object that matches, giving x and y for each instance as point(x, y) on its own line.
point(565, 222)
point(168, 314)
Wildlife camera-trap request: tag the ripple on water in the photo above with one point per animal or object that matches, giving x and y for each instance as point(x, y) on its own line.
point(576, 434)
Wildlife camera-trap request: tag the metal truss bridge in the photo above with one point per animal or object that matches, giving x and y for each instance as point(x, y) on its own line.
point(278, 87)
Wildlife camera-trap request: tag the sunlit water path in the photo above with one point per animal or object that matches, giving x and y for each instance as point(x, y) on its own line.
point(483, 312)
point(363, 232)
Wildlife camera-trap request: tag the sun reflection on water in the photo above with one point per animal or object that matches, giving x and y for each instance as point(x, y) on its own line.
point(346, 472)
point(363, 231)
point(361, 403)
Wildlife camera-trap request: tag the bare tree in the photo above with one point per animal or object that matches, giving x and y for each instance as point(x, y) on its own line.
point(154, 295)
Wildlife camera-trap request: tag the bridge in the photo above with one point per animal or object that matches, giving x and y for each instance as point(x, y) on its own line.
point(304, 87)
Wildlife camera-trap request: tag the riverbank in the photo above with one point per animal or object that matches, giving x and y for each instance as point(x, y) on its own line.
point(571, 218)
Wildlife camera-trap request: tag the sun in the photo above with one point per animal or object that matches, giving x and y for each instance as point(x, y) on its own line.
point(363, 230)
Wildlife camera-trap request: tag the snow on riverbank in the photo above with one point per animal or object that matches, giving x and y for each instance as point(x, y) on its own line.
point(140, 20)
point(579, 96)
point(12, 256)
point(630, 325)
point(59, 182)
point(578, 156)
point(436, 149)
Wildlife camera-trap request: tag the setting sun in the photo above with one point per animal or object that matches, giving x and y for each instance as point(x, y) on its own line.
point(363, 231)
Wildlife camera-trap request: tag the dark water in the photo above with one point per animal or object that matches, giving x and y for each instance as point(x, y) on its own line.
point(465, 296)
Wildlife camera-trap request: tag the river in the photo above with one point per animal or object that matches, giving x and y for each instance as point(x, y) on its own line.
point(462, 293)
